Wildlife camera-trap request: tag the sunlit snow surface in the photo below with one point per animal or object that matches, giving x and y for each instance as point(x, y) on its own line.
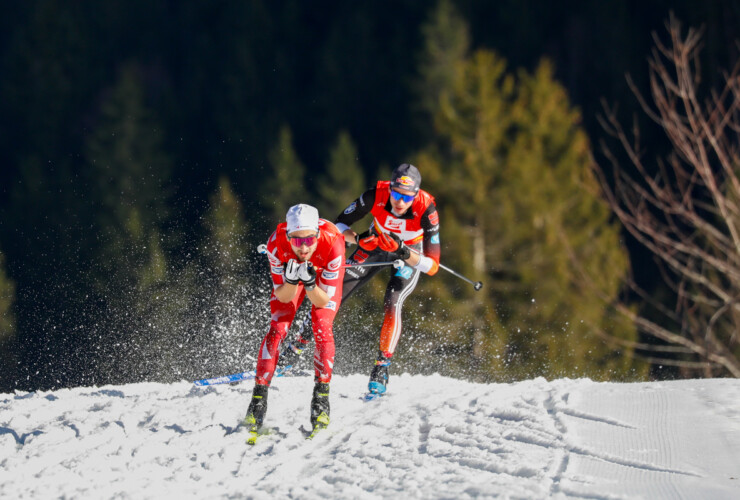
point(430, 437)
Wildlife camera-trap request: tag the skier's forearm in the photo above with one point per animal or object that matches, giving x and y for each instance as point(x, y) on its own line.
point(318, 297)
point(413, 259)
point(286, 292)
point(350, 236)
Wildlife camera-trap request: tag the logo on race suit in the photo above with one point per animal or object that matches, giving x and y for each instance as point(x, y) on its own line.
point(405, 272)
point(434, 218)
point(326, 275)
point(405, 181)
point(395, 225)
point(351, 208)
point(277, 270)
point(435, 239)
point(358, 258)
point(331, 305)
point(335, 264)
point(274, 261)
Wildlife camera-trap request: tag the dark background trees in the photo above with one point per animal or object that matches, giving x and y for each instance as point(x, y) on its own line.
point(125, 125)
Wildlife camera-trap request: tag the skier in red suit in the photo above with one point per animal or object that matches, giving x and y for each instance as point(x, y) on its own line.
point(306, 255)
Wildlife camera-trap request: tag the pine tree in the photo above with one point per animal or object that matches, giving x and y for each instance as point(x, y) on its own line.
point(8, 348)
point(7, 299)
point(129, 177)
point(286, 185)
point(519, 209)
point(344, 179)
point(471, 120)
point(557, 228)
point(446, 44)
point(226, 232)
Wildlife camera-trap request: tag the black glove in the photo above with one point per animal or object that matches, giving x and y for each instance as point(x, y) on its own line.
point(391, 243)
point(307, 274)
point(291, 272)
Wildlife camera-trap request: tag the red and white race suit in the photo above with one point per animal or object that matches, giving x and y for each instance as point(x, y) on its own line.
point(328, 260)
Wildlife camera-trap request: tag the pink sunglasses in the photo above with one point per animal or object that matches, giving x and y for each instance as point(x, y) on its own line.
point(308, 240)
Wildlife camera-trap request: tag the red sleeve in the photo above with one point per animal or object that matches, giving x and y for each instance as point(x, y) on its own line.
point(276, 265)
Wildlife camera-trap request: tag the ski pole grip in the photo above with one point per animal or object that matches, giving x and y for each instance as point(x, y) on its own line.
point(262, 249)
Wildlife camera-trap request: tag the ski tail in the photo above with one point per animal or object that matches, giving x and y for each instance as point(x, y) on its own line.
point(372, 396)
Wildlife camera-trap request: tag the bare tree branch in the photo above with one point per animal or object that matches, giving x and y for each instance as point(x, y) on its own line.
point(685, 208)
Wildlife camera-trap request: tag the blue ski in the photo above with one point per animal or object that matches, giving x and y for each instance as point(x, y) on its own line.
point(238, 377)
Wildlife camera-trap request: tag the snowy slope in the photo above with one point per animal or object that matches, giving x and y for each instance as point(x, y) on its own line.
point(431, 437)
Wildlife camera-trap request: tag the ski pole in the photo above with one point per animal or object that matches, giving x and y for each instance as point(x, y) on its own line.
point(477, 285)
point(398, 263)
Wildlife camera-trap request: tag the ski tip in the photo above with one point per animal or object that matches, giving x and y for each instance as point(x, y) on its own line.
point(315, 431)
point(322, 422)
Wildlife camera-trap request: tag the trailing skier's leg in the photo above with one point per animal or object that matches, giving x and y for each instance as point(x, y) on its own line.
point(291, 350)
point(379, 375)
point(402, 283)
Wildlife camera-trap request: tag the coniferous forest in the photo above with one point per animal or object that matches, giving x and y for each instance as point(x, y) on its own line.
point(148, 147)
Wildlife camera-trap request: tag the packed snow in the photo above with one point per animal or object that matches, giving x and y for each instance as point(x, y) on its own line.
point(430, 437)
